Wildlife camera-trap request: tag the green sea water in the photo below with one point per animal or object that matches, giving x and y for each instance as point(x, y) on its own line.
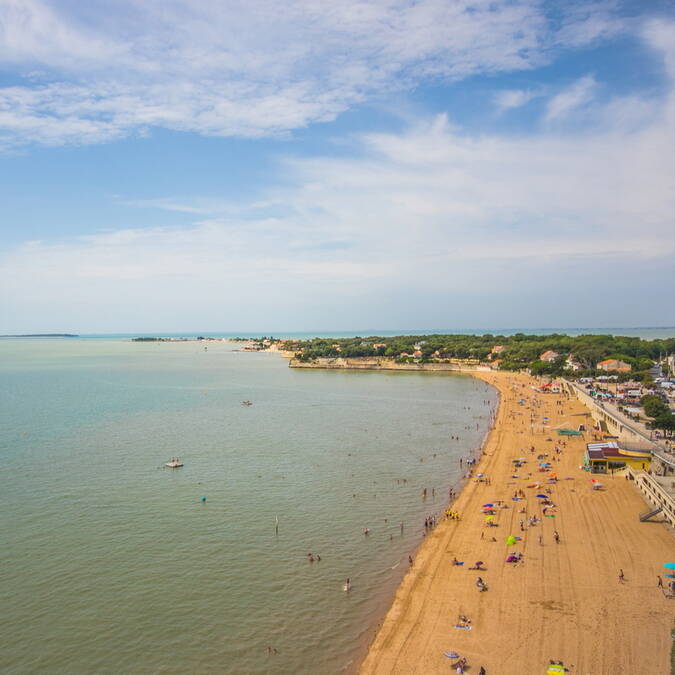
point(112, 564)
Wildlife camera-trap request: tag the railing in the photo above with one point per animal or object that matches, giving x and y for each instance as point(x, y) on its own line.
point(652, 512)
point(655, 494)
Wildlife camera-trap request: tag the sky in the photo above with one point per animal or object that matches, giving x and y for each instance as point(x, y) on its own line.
point(250, 165)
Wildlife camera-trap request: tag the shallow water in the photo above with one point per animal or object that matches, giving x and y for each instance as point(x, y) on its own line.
point(112, 564)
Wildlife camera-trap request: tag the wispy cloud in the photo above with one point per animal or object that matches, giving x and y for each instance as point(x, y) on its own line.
point(247, 68)
point(580, 93)
point(508, 99)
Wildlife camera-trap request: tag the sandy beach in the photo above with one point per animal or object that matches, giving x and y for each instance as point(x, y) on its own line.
point(562, 601)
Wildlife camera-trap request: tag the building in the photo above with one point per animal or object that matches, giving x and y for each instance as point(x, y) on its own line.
point(495, 351)
point(604, 457)
point(571, 363)
point(549, 356)
point(615, 365)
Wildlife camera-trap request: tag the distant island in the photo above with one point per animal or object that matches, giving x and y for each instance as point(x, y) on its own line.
point(42, 335)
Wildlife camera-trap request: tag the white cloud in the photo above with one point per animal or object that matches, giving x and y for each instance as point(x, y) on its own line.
point(577, 95)
point(509, 99)
point(429, 212)
point(247, 68)
point(450, 224)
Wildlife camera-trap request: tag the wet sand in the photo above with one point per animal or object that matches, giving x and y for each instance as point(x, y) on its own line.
point(565, 601)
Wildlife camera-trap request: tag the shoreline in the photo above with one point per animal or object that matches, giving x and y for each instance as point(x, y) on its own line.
point(530, 614)
point(389, 593)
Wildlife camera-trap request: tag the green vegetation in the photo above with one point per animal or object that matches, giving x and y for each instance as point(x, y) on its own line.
point(519, 351)
point(662, 417)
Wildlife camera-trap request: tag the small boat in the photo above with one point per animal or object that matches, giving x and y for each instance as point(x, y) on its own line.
point(175, 463)
point(247, 402)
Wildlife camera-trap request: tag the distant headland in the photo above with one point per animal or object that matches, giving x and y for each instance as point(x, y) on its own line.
point(42, 335)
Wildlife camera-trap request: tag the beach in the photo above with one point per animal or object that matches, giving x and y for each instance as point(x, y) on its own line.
point(563, 601)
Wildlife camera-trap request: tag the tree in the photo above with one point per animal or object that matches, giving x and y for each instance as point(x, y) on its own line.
point(665, 422)
point(654, 406)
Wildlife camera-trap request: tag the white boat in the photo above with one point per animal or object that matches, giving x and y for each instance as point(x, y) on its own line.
point(175, 463)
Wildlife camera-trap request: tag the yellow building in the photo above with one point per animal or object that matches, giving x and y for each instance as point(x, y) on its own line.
point(604, 457)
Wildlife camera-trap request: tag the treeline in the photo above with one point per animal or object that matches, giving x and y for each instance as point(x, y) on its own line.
point(519, 351)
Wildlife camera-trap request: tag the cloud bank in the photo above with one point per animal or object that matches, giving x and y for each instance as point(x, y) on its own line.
point(429, 227)
point(93, 72)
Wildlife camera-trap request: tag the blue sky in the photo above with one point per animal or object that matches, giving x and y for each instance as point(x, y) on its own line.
point(180, 165)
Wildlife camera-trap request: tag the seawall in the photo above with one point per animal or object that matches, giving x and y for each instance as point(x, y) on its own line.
point(382, 363)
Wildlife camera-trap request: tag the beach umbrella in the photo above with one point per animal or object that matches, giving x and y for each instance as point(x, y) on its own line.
point(479, 475)
point(510, 541)
point(669, 566)
point(488, 518)
point(670, 576)
point(552, 474)
point(542, 496)
point(488, 506)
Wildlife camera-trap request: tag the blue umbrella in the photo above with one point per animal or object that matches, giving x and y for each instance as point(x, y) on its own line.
point(669, 566)
point(542, 496)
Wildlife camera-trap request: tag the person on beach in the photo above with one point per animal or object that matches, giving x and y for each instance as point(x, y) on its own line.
point(410, 560)
point(659, 582)
point(622, 578)
point(556, 536)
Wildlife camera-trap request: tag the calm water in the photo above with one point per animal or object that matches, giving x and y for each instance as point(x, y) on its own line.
point(112, 564)
point(646, 333)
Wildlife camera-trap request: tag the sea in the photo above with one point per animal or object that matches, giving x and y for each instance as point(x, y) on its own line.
point(112, 563)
